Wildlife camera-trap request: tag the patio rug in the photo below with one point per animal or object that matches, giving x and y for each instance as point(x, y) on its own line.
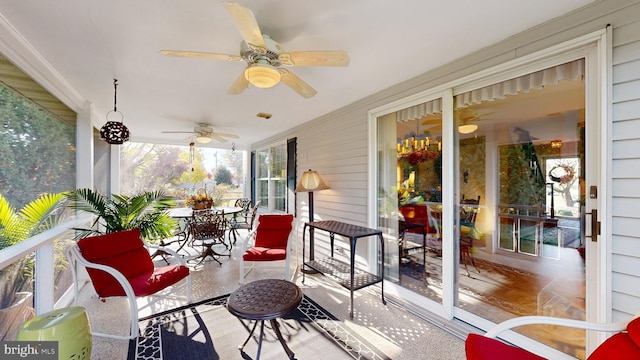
point(206, 330)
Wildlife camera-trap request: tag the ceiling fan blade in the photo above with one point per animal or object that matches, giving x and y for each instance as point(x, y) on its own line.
point(246, 23)
point(315, 58)
point(296, 84)
point(217, 137)
point(201, 55)
point(233, 136)
point(239, 85)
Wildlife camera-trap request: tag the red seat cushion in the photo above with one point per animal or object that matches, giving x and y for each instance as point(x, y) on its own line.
point(479, 347)
point(621, 346)
point(618, 347)
point(125, 252)
point(150, 283)
point(258, 253)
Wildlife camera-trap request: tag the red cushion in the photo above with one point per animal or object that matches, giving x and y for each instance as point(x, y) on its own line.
point(125, 252)
point(633, 328)
point(150, 283)
point(417, 214)
point(479, 347)
point(618, 347)
point(273, 230)
point(258, 253)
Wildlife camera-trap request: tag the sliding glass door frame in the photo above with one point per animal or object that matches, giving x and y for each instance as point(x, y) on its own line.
point(595, 49)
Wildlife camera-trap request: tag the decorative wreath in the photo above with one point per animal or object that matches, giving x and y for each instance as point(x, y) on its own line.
point(562, 174)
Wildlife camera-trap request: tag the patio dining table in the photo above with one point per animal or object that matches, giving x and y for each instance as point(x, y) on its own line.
point(183, 214)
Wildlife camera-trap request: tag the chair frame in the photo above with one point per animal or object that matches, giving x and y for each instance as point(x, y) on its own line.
point(469, 209)
point(507, 325)
point(74, 255)
point(250, 218)
point(247, 243)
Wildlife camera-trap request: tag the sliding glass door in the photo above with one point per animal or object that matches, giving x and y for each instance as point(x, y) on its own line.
point(491, 225)
point(410, 198)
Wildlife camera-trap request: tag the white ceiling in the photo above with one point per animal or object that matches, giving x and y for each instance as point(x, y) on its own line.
point(91, 42)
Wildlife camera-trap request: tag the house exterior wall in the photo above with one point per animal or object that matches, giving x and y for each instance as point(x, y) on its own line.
point(336, 144)
point(625, 246)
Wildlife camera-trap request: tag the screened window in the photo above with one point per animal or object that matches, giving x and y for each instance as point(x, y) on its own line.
point(271, 177)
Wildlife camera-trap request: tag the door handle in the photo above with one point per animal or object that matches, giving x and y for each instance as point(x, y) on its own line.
point(595, 225)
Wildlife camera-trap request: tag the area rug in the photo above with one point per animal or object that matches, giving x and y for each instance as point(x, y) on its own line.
point(206, 330)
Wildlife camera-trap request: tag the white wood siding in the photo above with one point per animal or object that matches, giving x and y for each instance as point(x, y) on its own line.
point(625, 277)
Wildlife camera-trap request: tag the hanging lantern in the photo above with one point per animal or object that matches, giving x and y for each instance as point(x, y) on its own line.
point(114, 132)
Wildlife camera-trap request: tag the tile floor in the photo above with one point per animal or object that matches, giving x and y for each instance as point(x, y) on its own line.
point(392, 329)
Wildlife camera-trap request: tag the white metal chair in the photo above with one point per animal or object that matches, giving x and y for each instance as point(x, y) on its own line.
point(119, 265)
point(268, 245)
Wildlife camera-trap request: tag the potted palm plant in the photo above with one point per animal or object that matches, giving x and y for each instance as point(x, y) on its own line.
point(15, 226)
point(147, 211)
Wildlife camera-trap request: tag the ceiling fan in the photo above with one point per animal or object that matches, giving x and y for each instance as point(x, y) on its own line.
point(205, 134)
point(265, 57)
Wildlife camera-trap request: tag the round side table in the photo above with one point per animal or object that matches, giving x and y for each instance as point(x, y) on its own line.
point(263, 300)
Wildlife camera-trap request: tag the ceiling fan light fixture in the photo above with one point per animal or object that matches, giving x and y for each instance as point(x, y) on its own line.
point(203, 139)
point(467, 128)
point(262, 75)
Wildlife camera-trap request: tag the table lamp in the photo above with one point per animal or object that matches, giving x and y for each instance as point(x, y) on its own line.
point(310, 182)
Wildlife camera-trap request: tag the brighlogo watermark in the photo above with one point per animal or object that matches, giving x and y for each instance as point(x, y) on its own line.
point(31, 350)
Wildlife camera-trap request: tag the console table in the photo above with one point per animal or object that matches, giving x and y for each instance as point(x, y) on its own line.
point(337, 269)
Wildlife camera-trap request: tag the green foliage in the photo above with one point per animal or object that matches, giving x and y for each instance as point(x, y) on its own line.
point(223, 176)
point(39, 215)
point(147, 211)
point(37, 150)
point(517, 184)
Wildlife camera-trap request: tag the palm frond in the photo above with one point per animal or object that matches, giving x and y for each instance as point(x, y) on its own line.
point(145, 211)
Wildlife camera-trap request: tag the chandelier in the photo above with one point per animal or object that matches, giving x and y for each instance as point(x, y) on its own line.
point(412, 145)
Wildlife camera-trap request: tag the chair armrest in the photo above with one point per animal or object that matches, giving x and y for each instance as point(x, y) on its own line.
point(249, 240)
point(549, 320)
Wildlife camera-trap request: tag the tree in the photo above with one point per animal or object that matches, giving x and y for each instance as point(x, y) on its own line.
point(223, 176)
point(196, 173)
point(147, 167)
point(37, 150)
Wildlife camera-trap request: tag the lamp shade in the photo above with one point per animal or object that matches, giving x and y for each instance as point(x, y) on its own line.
point(311, 181)
point(262, 75)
